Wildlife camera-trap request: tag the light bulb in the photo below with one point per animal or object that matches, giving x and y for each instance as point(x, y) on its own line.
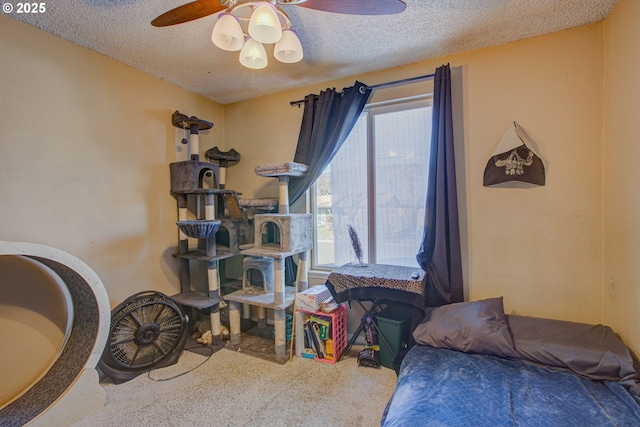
point(227, 33)
point(253, 55)
point(288, 49)
point(264, 25)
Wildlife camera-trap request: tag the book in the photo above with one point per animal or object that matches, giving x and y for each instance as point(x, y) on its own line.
point(309, 339)
point(319, 320)
point(329, 347)
point(315, 337)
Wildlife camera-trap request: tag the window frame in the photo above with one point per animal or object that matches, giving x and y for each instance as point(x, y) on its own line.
point(369, 112)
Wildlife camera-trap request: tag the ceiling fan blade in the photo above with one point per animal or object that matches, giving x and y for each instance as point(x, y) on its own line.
point(356, 7)
point(188, 12)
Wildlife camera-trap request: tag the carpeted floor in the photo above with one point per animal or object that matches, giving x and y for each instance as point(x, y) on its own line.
point(234, 389)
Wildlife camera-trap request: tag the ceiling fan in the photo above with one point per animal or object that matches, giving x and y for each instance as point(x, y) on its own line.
point(248, 25)
point(201, 8)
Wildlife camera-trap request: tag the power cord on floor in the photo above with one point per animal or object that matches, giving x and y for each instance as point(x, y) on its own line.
point(186, 372)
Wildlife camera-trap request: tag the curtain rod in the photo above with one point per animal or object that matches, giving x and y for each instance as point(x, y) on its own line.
point(382, 85)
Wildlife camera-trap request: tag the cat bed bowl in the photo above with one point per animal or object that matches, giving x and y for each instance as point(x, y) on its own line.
point(199, 228)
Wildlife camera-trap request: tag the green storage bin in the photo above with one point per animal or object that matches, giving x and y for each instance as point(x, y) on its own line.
point(394, 322)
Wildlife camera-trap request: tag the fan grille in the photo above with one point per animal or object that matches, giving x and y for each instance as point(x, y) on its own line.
point(145, 332)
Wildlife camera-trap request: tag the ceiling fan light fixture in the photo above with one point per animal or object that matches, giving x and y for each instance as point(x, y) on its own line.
point(265, 25)
point(288, 49)
point(264, 22)
point(227, 33)
point(253, 55)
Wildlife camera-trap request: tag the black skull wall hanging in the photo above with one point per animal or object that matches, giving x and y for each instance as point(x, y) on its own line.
point(514, 160)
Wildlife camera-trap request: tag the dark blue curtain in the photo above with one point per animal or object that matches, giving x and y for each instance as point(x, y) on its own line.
point(327, 120)
point(440, 255)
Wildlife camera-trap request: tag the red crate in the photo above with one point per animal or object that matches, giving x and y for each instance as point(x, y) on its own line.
point(338, 330)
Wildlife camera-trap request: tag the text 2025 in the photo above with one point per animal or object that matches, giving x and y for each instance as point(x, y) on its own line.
point(31, 7)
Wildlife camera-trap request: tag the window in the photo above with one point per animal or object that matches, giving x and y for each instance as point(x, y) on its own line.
point(377, 183)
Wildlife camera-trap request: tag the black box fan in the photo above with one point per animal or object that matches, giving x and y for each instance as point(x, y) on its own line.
point(148, 331)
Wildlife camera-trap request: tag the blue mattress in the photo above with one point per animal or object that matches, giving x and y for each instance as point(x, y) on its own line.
point(441, 387)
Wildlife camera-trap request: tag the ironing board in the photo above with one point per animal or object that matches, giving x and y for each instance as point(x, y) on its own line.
point(377, 284)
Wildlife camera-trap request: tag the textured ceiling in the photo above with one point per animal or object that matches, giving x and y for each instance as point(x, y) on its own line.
point(335, 45)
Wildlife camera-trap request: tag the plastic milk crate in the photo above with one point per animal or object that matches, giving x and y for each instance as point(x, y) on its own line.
point(330, 333)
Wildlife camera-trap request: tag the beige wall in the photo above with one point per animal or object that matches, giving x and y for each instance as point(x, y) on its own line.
point(85, 144)
point(621, 175)
point(541, 248)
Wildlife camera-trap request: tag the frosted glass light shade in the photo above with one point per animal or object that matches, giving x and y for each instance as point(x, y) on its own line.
point(264, 25)
point(253, 55)
point(288, 49)
point(227, 33)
